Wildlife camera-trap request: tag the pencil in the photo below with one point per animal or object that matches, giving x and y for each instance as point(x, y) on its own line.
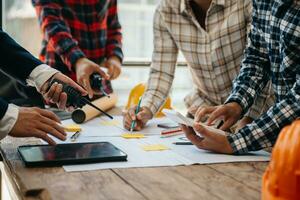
point(182, 143)
point(136, 112)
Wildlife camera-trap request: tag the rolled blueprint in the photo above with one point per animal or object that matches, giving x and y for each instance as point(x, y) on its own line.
point(87, 112)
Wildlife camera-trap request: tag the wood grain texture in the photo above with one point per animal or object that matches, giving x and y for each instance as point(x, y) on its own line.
point(217, 181)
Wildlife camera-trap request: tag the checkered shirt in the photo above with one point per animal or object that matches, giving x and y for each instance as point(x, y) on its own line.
point(75, 29)
point(213, 54)
point(273, 53)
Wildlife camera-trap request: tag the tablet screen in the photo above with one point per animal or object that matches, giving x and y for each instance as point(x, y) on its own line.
point(63, 152)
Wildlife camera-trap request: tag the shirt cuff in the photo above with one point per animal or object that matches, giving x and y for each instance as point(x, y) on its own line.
point(150, 106)
point(9, 120)
point(40, 75)
point(238, 143)
point(241, 101)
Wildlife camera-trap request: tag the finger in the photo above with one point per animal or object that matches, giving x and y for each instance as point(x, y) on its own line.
point(52, 131)
point(116, 73)
point(74, 85)
point(187, 130)
point(62, 101)
point(51, 91)
point(56, 94)
point(143, 115)
point(54, 125)
point(138, 127)
point(218, 114)
point(102, 73)
point(49, 114)
point(204, 132)
point(131, 113)
point(201, 113)
point(43, 135)
point(227, 124)
point(110, 70)
point(87, 86)
point(194, 138)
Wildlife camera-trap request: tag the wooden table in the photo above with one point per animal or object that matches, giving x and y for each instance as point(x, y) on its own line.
point(214, 181)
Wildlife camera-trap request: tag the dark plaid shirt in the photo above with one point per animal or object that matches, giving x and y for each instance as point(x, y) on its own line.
point(74, 29)
point(273, 54)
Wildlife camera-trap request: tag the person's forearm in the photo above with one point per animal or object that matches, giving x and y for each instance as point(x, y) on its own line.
point(263, 132)
point(254, 74)
point(262, 102)
point(162, 68)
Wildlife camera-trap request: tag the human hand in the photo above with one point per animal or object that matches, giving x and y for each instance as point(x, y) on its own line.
point(141, 118)
point(54, 94)
point(210, 141)
point(229, 113)
point(113, 64)
point(242, 123)
point(36, 122)
point(84, 69)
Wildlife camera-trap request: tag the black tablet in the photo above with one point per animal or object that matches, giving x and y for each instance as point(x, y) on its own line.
point(69, 154)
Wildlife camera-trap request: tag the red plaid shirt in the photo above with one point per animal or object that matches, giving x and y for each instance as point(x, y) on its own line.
point(74, 29)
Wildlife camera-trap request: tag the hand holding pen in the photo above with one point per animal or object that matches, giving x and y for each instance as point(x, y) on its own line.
point(141, 118)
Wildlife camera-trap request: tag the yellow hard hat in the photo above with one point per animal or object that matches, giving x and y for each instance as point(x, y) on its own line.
point(137, 92)
point(281, 180)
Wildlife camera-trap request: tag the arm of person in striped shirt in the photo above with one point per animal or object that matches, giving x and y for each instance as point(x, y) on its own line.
point(161, 77)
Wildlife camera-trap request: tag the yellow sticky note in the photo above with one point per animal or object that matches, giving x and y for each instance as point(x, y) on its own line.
point(110, 123)
point(132, 135)
point(72, 128)
point(155, 147)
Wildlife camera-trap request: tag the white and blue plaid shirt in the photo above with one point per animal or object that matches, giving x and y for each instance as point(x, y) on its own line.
point(273, 53)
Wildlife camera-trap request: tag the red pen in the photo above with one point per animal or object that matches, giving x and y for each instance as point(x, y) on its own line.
point(171, 132)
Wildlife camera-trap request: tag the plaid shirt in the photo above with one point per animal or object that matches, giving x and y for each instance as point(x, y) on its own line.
point(75, 29)
point(213, 55)
point(273, 53)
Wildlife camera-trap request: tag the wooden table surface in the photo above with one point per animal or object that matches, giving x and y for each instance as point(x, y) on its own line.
point(214, 181)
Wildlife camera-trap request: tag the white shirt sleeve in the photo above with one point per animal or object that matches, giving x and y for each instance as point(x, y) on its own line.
point(37, 78)
point(9, 120)
point(40, 75)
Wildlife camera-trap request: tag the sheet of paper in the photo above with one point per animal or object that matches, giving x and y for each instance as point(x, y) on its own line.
point(96, 131)
point(105, 127)
point(177, 155)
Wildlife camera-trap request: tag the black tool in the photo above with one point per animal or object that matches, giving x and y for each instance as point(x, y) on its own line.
point(182, 143)
point(96, 83)
point(75, 98)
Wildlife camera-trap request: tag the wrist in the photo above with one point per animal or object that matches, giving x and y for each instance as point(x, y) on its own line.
point(115, 59)
point(236, 107)
point(79, 62)
point(148, 111)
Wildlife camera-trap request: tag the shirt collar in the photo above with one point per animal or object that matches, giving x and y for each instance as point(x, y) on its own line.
point(184, 3)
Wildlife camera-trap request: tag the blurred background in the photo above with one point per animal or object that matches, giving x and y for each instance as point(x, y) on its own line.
point(136, 17)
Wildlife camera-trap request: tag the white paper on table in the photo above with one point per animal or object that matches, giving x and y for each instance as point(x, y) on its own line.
point(95, 127)
point(177, 155)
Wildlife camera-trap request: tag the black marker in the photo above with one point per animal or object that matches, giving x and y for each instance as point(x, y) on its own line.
point(182, 143)
point(75, 98)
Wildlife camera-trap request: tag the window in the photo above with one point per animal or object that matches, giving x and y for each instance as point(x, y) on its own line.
point(136, 17)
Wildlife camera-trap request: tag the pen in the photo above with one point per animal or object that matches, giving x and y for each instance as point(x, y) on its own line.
point(182, 143)
point(75, 136)
point(136, 112)
point(171, 132)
